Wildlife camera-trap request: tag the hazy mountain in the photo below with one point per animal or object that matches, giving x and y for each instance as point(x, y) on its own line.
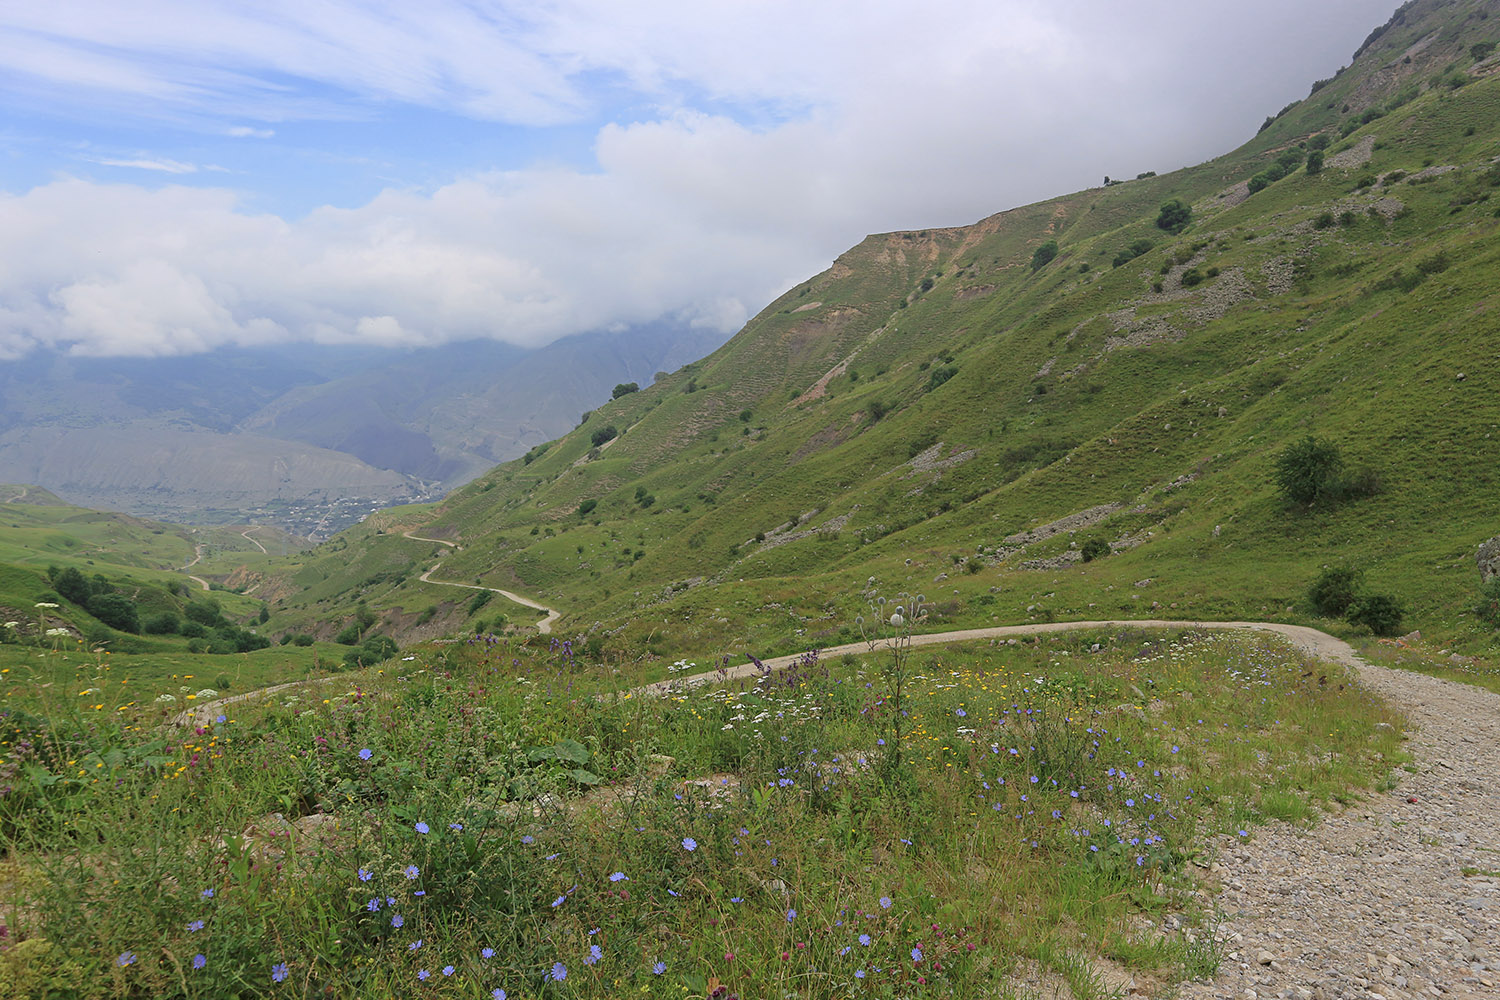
point(241, 435)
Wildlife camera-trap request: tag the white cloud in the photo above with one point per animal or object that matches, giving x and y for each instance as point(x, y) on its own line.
point(830, 121)
point(162, 165)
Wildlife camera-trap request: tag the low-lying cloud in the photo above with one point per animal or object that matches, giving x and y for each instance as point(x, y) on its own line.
point(826, 122)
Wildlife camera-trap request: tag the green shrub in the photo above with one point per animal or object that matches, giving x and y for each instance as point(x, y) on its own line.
point(1332, 593)
point(1488, 608)
point(1095, 548)
point(117, 612)
point(1174, 216)
point(1380, 613)
point(1136, 248)
point(940, 375)
point(165, 623)
point(603, 434)
point(349, 635)
point(587, 507)
point(1192, 276)
point(624, 389)
point(302, 639)
point(1309, 471)
point(1044, 255)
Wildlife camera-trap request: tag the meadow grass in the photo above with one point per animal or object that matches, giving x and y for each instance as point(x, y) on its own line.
point(499, 819)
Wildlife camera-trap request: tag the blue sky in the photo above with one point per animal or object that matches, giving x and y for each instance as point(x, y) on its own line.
point(180, 176)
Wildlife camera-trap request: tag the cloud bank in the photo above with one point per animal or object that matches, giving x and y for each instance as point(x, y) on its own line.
point(756, 141)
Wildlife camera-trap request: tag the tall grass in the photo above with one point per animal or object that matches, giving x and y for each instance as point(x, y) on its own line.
point(495, 819)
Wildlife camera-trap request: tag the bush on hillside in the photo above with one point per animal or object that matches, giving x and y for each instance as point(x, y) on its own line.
point(1380, 613)
point(165, 623)
point(1174, 216)
point(1135, 249)
point(624, 389)
point(1315, 162)
point(1044, 255)
point(1310, 471)
point(1334, 591)
point(302, 639)
point(940, 375)
point(1095, 548)
point(1488, 608)
point(119, 613)
point(603, 434)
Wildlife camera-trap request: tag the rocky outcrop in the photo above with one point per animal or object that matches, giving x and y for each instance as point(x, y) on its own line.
point(1488, 558)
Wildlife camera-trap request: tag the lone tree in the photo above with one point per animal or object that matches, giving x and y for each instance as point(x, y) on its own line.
point(1043, 255)
point(624, 389)
point(1309, 471)
point(1175, 216)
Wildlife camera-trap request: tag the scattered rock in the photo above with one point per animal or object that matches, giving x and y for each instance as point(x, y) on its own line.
point(1488, 560)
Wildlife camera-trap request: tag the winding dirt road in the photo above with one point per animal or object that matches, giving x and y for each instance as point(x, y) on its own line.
point(1317, 644)
point(544, 626)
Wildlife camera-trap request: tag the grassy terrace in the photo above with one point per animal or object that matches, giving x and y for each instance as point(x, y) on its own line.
point(498, 819)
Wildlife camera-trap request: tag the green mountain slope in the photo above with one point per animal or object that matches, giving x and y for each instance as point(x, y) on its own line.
point(954, 413)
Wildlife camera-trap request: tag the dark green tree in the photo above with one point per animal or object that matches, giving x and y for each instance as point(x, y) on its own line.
point(1174, 216)
point(1334, 590)
point(119, 613)
point(1309, 471)
point(624, 389)
point(71, 585)
point(1044, 255)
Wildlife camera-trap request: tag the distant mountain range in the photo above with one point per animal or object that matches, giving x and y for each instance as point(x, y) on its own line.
point(307, 437)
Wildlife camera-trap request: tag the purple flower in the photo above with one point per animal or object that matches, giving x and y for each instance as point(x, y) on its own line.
point(791, 915)
point(397, 920)
point(689, 844)
point(126, 958)
point(207, 894)
point(423, 974)
point(528, 839)
point(447, 970)
point(423, 828)
point(916, 954)
point(366, 754)
point(196, 925)
point(559, 971)
point(373, 905)
point(412, 871)
point(497, 994)
point(365, 876)
point(414, 945)
point(199, 960)
point(278, 972)
point(592, 958)
point(885, 902)
point(486, 953)
point(222, 718)
point(559, 901)
point(457, 827)
point(864, 939)
point(960, 713)
point(658, 968)
point(619, 877)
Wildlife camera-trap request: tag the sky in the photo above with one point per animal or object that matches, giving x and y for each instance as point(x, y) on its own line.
point(178, 176)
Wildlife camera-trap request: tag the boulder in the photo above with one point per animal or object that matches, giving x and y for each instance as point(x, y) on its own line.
point(1488, 559)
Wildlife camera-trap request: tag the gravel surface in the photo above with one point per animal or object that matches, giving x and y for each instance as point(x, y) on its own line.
point(1374, 902)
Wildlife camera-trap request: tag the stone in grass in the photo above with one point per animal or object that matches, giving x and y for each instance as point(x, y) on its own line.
point(1488, 560)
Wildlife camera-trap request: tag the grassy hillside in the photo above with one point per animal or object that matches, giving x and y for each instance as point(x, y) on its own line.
point(911, 412)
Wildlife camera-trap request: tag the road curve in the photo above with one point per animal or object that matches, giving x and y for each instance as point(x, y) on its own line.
point(544, 626)
point(1318, 644)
